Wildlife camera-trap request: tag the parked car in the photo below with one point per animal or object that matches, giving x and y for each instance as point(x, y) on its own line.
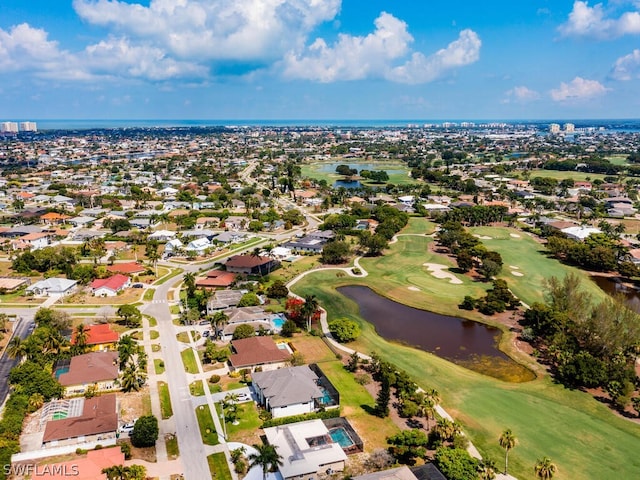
point(127, 427)
point(206, 333)
point(137, 285)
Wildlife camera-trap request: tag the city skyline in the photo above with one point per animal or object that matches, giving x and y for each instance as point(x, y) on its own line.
point(319, 59)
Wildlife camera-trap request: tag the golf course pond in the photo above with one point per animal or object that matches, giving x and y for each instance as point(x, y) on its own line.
point(614, 287)
point(470, 344)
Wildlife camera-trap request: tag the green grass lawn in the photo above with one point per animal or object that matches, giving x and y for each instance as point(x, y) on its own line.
point(219, 467)
point(419, 225)
point(248, 422)
point(158, 363)
point(183, 337)
point(174, 309)
point(165, 400)
point(148, 294)
point(207, 428)
point(172, 273)
point(155, 347)
point(561, 175)
point(548, 419)
point(171, 442)
point(356, 404)
point(189, 361)
point(399, 176)
point(532, 262)
point(152, 321)
point(154, 334)
point(196, 389)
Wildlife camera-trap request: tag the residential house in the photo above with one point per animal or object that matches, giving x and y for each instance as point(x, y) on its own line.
point(306, 449)
point(257, 352)
point(129, 268)
point(54, 218)
point(251, 265)
point(229, 237)
point(216, 279)
point(257, 317)
point(172, 247)
point(235, 223)
point(223, 299)
point(428, 471)
point(34, 241)
point(162, 235)
point(580, 232)
point(99, 337)
point(292, 391)
point(111, 286)
point(88, 467)
point(82, 221)
point(199, 246)
point(93, 419)
point(52, 286)
point(97, 369)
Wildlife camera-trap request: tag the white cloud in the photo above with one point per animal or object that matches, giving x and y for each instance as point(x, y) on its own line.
point(627, 67)
point(374, 55)
point(578, 89)
point(117, 57)
point(351, 57)
point(522, 94)
point(422, 69)
point(249, 30)
point(26, 48)
point(586, 21)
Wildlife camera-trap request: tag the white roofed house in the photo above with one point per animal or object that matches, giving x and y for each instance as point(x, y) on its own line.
point(580, 232)
point(162, 235)
point(199, 245)
point(307, 450)
point(172, 247)
point(52, 286)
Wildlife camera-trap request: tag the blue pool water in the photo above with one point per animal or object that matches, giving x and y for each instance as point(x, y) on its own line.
point(61, 370)
point(341, 437)
point(326, 397)
point(278, 322)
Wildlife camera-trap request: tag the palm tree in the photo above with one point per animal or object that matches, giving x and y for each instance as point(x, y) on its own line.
point(189, 281)
point(231, 407)
point(507, 441)
point(266, 458)
point(487, 469)
point(309, 308)
point(218, 321)
point(427, 409)
point(36, 400)
point(81, 338)
point(132, 379)
point(545, 469)
point(16, 348)
point(126, 348)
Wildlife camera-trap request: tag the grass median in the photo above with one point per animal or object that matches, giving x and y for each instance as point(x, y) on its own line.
point(207, 427)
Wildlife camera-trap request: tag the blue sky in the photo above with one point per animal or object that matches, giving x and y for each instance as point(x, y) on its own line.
point(319, 59)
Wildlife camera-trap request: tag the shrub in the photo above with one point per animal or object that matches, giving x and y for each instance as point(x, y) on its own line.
point(214, 378)
point(344, 330)
point(276, 422)
point(126, 449)
point(145, 432)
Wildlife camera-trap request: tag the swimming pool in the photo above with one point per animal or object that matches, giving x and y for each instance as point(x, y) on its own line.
point(341, 437)
point(326, 397)
point(278, 322)
point(61, 370)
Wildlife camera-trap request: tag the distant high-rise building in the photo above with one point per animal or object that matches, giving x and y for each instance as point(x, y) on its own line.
point(8, 127)
point(554, 128)
point(28, 127)
point(569, 127)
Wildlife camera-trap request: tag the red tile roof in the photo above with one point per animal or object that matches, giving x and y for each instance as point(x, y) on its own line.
point(98, 334)
point(131, 267)
point(115, 282)
point(87, 468)
point(256, 351)
point(217, 278)
point(99, 415)
point(243, 261)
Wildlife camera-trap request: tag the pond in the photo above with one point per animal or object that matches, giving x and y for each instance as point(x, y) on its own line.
point(614, 287)
point(349, 184)
point(331, 167)
point(467, 343)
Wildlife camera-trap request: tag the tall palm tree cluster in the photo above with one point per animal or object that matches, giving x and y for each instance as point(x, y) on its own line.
point(133, 364)
point(544, 469)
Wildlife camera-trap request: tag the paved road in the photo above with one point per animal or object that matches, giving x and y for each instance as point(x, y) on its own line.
point(192, 450)
point(22, 329)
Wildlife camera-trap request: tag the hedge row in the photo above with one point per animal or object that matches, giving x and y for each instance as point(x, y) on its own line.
point(276, 422)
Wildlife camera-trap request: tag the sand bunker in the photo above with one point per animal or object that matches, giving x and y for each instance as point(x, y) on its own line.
point(414, 289)
point(514, 235)
point(517, 274)
point(514, 267)
point(440, 271)
point(482, 237)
